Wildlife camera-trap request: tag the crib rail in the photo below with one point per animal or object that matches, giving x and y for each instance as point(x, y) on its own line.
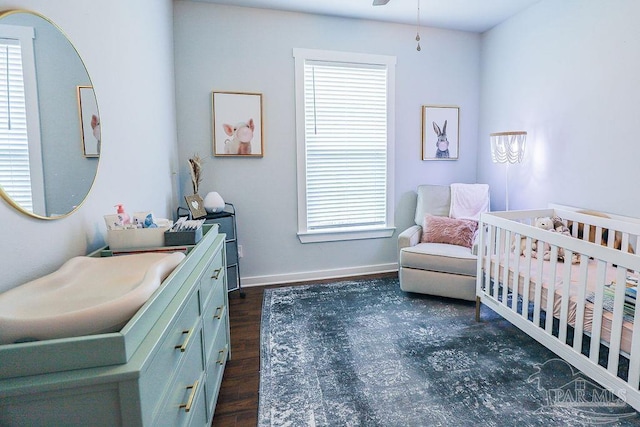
point(570, 305)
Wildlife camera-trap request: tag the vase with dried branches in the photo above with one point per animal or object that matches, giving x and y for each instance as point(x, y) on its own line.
point(195, 167)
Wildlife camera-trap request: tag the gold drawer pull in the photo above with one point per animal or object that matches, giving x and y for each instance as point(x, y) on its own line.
point(183, 347)
point(187, 406)
point(219, 312)
point(222, 352)
point(216, 273)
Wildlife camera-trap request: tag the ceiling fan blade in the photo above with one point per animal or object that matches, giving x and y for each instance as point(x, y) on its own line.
point(380, 2)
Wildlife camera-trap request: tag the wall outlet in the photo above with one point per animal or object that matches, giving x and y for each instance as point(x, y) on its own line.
point(240, 251)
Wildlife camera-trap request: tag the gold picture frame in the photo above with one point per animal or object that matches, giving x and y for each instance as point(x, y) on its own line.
point(440, 132)
point(196, 206)
point(237, 124)
point(89, 121)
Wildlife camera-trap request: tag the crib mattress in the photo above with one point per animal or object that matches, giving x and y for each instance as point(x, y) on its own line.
point(574, 291)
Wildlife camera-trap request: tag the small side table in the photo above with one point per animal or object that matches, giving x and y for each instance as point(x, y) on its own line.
point(226, 221)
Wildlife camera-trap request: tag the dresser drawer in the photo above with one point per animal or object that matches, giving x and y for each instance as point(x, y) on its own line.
point(199, 417)
point(183, 336)
point(212, 276)
point(182, 402)
point(215, 367)
point(213, 316)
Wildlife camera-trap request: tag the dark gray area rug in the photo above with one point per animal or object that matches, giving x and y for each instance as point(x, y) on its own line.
point(364, 353)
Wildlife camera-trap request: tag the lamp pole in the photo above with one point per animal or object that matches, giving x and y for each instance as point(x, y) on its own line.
point(506, 186)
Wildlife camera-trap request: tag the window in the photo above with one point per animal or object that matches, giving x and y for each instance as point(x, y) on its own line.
point(345, 129)
point(21, 175)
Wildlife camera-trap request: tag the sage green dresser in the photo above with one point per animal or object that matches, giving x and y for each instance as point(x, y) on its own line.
point(164, 368)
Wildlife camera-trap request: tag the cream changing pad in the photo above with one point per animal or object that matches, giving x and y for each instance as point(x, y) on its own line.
point(84, 296)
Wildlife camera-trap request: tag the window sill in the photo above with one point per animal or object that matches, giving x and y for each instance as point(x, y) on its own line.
point(348, 234)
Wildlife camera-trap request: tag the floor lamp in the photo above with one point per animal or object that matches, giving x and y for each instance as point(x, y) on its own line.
point(507, 147)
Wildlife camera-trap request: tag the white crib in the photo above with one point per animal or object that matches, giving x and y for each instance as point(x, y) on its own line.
point(584, 302)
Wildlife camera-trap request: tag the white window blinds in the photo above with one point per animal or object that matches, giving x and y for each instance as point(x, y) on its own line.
point(15, 175)
point(344, 122)
point(21, 171)
point(346, 144)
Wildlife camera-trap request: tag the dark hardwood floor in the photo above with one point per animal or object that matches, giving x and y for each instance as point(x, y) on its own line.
point(238, 400)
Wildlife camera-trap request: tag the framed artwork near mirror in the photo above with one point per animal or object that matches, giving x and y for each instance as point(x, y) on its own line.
point(440, 132)
point(237, 124)
point(89, 121)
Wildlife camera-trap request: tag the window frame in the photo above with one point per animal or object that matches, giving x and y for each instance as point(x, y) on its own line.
point(343, 233)
point(25, 36)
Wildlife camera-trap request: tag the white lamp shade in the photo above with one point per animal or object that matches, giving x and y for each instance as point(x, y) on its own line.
point(508, 146)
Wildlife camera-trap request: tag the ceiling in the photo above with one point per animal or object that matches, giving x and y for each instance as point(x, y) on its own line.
point(464, 15)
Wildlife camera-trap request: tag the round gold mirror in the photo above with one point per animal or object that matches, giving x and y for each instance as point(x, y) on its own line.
point(49, 121)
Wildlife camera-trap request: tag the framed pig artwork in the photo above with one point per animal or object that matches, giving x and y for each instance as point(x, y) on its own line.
point(237, 124)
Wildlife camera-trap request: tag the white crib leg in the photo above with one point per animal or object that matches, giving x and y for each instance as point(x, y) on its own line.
point(477, 309)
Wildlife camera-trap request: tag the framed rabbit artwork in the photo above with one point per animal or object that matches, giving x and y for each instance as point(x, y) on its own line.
point(440, 132)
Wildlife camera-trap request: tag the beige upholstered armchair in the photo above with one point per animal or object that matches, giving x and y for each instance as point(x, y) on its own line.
point(438, 266)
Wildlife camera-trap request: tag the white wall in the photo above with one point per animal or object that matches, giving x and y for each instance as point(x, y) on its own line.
point(567, 73)
point(127, 47)
point(227, 48)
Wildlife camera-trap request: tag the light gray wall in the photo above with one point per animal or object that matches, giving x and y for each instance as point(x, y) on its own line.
point(127, 47)
point(567, 73)
point(68, 174)
point(227, 48)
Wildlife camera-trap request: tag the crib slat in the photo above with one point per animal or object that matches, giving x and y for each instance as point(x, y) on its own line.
point(574, 230)
point(597, 233)
point(480, 276)
point(526, 285)
point(496, 273)
point(599, 236)
point(616, 325)
point(586, 231)
point(634, 361)
point(611, 239)
point(486, 260)
point(537, 298)
point(580, 301)
point(596, 324)
point(564, 302)
point(516, 273)
point(625, 242)
point(504, 255)
point(488, 257)
point(551, 292)
point(491, 254)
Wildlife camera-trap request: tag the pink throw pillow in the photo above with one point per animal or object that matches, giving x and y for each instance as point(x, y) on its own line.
point(442, 229)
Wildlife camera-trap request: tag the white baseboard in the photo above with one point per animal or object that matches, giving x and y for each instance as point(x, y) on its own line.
point(306, 276)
